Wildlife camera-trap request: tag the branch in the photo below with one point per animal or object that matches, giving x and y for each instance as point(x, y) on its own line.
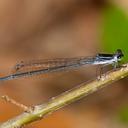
point(84, 89)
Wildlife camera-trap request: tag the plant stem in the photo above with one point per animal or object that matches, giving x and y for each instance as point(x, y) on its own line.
point(55, 103)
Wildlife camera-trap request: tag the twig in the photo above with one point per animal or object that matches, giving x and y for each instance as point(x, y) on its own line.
point(12, 101)
point(66, 98)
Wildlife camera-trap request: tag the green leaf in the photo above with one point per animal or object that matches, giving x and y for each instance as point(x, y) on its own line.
point(122, 114)
point(115, 30)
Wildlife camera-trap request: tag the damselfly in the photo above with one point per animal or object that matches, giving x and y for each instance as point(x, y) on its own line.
point(37, 67)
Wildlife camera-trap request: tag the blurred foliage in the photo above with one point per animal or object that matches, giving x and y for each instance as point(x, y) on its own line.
point(115, 30)
point(122, 114)
point(115, 36)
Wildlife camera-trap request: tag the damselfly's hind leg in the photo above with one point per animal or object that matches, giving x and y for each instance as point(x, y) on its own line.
point(98, 72)
point(101, 71)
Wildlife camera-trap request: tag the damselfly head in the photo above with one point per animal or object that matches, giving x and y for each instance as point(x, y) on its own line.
point(119, 54)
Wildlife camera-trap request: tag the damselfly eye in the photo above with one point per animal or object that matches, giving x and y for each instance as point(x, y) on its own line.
point(119, 57)
point(119, 53)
